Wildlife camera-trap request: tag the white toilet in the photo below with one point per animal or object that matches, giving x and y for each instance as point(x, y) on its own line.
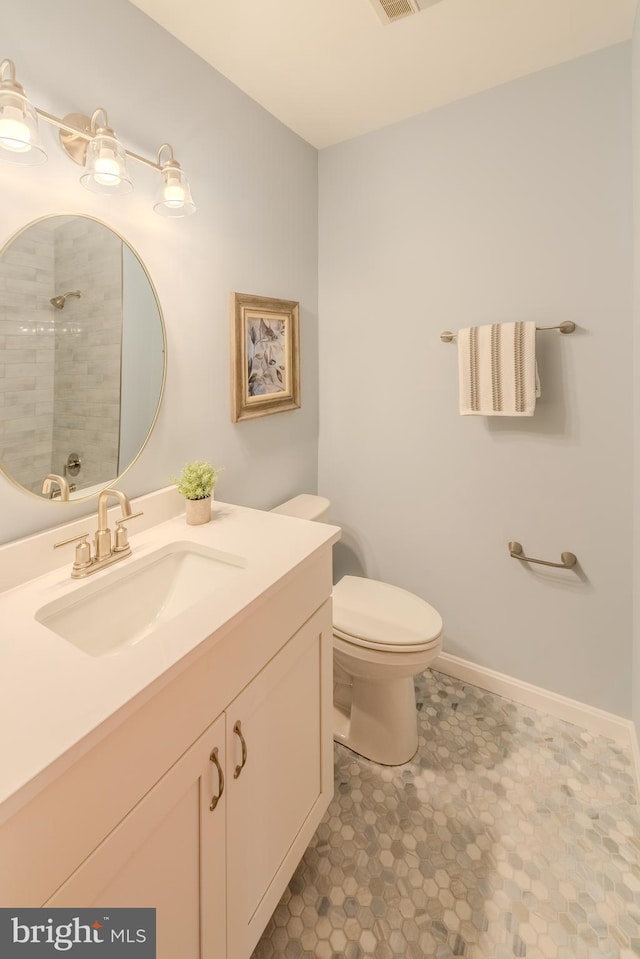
point(383, 636)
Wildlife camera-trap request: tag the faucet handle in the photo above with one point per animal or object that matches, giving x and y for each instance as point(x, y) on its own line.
point(83, 550)
point(121, 537)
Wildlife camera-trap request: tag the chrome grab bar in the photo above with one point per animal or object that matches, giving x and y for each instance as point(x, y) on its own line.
point(569, 560)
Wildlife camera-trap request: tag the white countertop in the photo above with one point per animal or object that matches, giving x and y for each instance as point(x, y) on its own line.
point(53, 695)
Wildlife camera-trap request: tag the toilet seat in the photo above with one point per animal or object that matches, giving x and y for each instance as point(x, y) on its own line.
point(376, 615)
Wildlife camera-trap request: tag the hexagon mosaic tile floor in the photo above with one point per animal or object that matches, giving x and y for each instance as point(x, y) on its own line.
point(509, 834)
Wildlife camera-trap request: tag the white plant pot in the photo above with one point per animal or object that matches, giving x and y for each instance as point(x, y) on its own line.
point(198, 511)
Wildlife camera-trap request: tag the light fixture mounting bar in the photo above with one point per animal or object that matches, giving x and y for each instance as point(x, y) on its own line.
point(78, 126)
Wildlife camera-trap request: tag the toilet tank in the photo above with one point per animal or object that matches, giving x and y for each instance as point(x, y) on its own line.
point(305, 506)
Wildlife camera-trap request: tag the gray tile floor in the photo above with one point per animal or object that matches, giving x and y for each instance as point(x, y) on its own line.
point(509, 834)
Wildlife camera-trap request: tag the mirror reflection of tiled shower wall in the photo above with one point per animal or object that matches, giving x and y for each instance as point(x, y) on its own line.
point(27, 356)
point(88, 347)
point(60, 369)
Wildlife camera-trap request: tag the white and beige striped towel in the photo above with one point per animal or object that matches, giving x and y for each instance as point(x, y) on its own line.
point(497, 370)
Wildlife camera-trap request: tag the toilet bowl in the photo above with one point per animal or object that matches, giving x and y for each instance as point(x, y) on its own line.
point(383, 637)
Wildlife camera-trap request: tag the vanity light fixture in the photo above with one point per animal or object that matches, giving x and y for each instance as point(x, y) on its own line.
point(105, 161)
point(91, 143)
point(174, 196)
point(19, 134)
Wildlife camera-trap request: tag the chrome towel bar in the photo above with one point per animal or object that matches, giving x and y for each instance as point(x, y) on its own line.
point(569, 560)
point(567, 327)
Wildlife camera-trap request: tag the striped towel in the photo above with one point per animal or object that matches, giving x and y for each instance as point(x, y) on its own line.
point(497, 370)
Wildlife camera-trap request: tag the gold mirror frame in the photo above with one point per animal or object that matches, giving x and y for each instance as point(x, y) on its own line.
point(4, 472)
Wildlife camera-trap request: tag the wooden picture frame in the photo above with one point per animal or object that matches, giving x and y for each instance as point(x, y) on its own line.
point(265, 356)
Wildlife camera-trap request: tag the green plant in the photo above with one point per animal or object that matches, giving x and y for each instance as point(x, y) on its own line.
point(197, 479)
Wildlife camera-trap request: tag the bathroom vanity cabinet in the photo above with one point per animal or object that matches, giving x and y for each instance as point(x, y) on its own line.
point(210, 871)
point(202, 797)
point(168, 853)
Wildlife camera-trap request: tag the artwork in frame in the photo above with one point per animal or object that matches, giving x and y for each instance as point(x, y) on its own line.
point(265, 356)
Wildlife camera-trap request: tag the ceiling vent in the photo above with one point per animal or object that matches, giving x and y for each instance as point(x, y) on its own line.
point(390, 10)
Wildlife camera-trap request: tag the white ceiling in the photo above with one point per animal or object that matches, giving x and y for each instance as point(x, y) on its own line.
point(330, 70)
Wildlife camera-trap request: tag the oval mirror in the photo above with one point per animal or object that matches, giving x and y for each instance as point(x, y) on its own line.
point(82, 357)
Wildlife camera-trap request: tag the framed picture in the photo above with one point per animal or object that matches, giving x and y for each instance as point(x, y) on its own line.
point(265, 356)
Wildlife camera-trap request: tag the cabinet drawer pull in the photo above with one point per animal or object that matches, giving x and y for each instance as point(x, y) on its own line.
point(214, 759)
point(238, 731)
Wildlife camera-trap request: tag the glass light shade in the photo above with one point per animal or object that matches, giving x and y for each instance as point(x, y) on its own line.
point(106, 166)
point(19, 135)
point(174, 197)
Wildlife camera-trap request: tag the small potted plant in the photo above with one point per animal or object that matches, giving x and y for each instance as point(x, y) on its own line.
point(196, 483)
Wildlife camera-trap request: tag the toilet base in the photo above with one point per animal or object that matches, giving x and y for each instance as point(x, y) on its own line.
point(377, 720)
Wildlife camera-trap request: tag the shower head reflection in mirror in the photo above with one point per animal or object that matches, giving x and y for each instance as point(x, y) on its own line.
point(82, 349)
point(59, 301)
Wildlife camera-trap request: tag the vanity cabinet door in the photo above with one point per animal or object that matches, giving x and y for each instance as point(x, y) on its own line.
point(280, 777)
point(168, 853)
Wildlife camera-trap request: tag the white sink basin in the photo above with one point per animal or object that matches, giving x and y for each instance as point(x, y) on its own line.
point(133, 599)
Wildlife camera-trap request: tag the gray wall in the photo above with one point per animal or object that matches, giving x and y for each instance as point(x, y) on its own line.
point(255, 185)
point(514, 204)
point(635, 89)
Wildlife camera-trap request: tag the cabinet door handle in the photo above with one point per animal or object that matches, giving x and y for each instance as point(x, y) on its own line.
point(214, 759)
point(238, 731)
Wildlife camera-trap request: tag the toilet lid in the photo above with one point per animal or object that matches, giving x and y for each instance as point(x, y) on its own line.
point(378, 614)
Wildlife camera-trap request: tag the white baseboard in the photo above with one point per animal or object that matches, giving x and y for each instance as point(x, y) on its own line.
point(596, 721)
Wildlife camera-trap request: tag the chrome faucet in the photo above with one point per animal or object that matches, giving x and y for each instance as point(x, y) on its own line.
point(106, 551)
point(60, 481)
point(102, 540)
